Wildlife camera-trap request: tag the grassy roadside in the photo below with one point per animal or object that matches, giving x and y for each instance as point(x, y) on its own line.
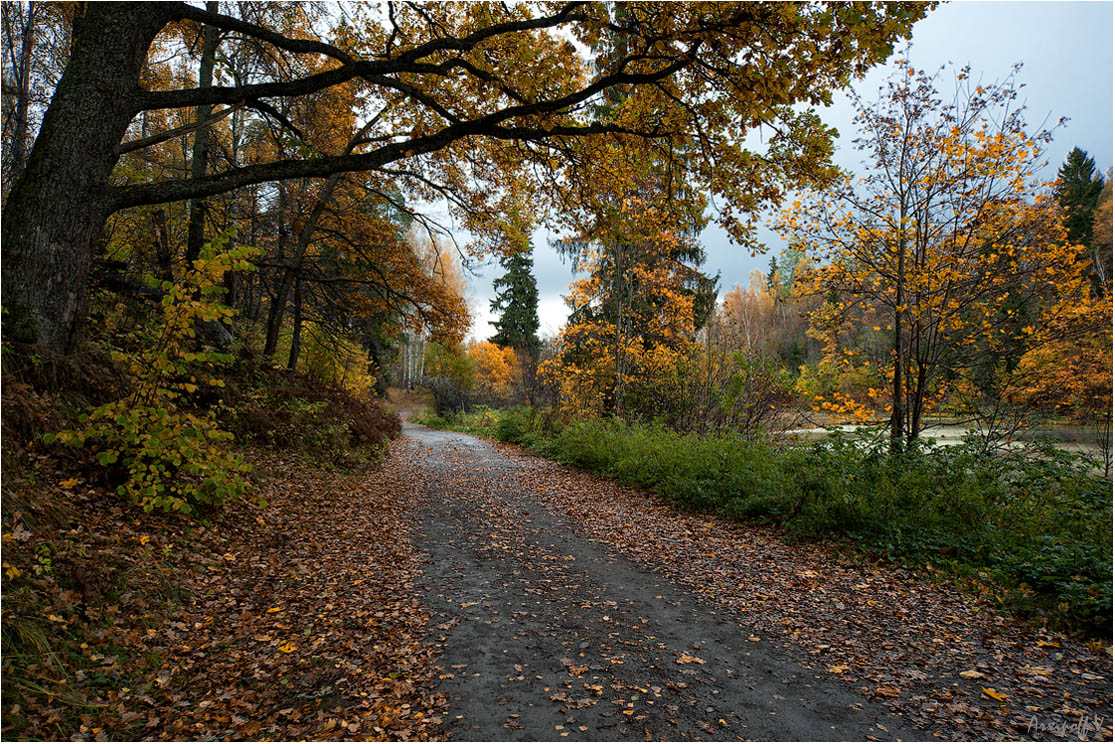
point(1030, 530)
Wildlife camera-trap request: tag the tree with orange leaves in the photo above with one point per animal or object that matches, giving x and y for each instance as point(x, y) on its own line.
point(1069, 376)
point(497, 371)
point(951, 239)
point(641, 298)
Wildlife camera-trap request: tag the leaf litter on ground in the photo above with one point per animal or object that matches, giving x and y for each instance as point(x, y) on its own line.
point(294, 618)
point(299, 619)
point(944, 660)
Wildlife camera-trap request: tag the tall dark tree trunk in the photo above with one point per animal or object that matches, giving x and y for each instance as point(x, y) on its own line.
point(254, 289)
point(57, 209)
point(376, 367)
point(161, 236)
point(200, 158)
point(275, 314)
point(277, 308)
point(296, 331)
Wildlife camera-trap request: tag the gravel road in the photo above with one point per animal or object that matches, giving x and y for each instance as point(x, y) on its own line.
point(547, 635)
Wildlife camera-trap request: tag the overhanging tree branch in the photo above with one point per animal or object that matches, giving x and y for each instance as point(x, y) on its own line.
point(133, 145)
point(407, 62)
point(228, 23)
point(490, 126)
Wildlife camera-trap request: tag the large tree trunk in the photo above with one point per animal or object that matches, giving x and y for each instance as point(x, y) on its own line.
point(57, 209)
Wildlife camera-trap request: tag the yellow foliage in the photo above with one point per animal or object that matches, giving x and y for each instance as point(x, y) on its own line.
point(948, 239)
point(335, 360)
point(633, 304)
point(497, 368)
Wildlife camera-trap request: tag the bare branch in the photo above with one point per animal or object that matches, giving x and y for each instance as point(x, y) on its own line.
point(228, 23)
point(133, 145)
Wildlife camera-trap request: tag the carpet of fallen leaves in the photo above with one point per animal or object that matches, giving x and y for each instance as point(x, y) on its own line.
point(301, 618)
point(291, 619)
point(939, 658)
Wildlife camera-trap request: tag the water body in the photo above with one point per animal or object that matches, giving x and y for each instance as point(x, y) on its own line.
point(1079, 439)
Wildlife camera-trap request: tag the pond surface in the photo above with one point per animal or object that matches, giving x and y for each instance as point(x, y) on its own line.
point(1072, 438)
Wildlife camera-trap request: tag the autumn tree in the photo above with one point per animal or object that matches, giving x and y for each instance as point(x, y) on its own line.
point(950, 238)
point(745, 319)
point(441, 316)
point(732, 377)
point(1069, 375)
point(338, 270)
point(479, 103)
point(497, 371)
point(640, 299)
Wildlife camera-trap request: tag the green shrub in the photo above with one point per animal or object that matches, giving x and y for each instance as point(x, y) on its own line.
point(433, 420)
point(167, 456)
point(757, 508)
point(516, 426)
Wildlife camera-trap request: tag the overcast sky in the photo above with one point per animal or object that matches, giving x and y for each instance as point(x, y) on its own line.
point(1066, 52)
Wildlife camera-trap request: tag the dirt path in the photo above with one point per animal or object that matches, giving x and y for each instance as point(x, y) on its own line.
point(548, 635)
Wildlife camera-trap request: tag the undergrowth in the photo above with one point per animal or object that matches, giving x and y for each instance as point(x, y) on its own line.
point(271, 407)
point(1030, 529)
point(89, 578)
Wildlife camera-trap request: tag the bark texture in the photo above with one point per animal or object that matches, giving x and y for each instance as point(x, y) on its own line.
point(56, 211)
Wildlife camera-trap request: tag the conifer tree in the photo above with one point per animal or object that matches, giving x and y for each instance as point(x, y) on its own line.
point(1078, 192)
point(516, 302)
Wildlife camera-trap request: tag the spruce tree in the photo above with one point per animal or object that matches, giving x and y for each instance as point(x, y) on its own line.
point(516, 303)
point(1078, 191)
